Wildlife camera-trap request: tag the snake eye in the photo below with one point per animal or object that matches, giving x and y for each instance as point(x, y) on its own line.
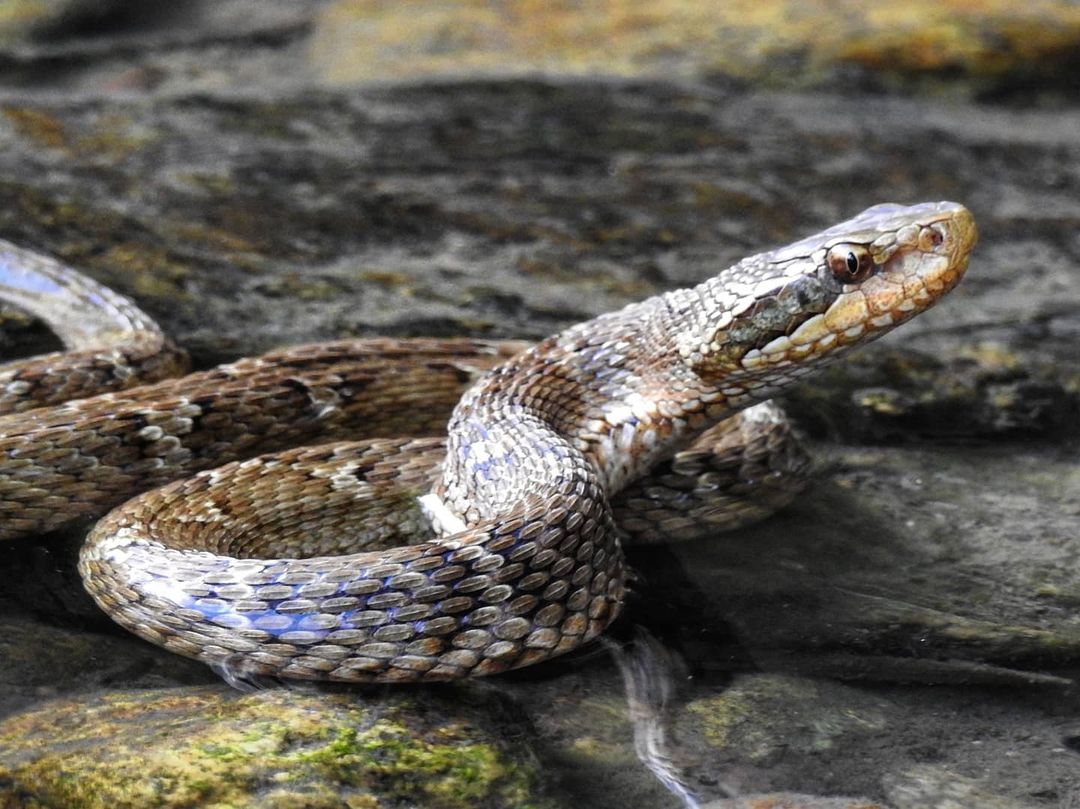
point(849, 263)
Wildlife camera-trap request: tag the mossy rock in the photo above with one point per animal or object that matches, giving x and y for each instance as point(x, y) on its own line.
point(209, 747)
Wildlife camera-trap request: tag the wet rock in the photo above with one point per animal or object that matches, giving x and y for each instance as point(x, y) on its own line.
point(460, 219)
point(806, 44)
point(277, 749)
point(41, 661)
point(792, 801)
point(761, 718)
point(584, 733)
point(935, 555)
point(997, 49)
point(929, 787)
point(902, 748)
point(762, 731)
point(981, 392)
point(36, 19)
point(126, 46)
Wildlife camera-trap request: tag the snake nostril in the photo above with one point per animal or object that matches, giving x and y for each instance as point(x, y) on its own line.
point(931, 238)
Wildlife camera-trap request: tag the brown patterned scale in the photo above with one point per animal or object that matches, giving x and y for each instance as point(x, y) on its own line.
point(321, 563)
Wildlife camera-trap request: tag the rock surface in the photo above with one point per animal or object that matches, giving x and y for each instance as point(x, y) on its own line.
point(256, 174)
point(278, 749)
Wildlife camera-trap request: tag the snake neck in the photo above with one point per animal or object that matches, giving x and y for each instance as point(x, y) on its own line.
point(596, 405)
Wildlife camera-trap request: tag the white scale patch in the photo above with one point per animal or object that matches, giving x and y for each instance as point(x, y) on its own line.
point(439, 514)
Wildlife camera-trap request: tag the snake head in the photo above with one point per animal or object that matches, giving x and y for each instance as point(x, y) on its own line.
point(769, 317)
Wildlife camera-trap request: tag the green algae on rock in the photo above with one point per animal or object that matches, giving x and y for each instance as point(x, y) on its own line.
point(765, 716)
point(277, 749)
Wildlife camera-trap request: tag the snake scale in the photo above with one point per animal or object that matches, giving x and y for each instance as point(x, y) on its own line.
point(320, 562)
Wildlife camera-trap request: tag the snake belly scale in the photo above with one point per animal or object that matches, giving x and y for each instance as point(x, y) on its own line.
point(403, 555)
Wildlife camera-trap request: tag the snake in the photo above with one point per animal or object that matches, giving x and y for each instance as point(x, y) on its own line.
point(403, 510)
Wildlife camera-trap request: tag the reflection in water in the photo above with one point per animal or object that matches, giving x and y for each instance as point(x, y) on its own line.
point(648, 674)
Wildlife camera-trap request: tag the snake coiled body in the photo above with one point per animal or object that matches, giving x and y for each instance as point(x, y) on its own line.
point(320, 563)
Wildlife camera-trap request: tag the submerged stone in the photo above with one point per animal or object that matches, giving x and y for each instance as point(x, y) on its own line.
point(277, 749)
